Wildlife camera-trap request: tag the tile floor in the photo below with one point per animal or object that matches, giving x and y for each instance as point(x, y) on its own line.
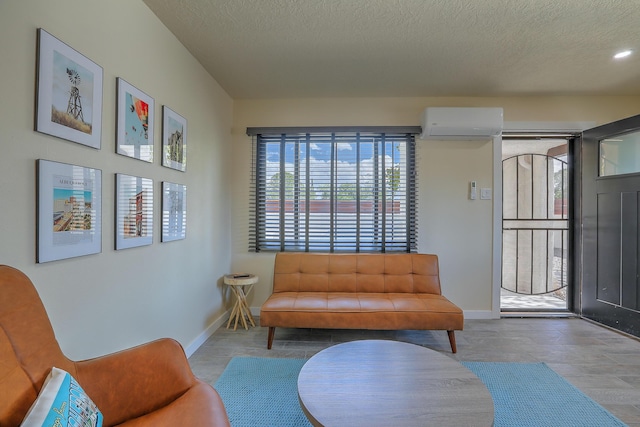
point(602, 363)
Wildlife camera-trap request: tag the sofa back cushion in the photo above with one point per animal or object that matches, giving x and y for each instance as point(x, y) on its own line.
point(376, 273)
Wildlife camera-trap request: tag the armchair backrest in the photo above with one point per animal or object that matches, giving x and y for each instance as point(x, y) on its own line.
point(28, 347)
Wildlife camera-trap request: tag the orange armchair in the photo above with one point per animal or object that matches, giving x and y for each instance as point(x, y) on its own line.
point(148, 385)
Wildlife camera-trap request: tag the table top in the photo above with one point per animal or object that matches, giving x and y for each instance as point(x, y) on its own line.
point(240, 279)
point(390, 383)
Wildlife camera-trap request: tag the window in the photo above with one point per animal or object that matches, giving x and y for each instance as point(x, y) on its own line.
point(319, 190)
point(620, 155)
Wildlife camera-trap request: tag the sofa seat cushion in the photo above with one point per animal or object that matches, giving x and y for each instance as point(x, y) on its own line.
point(360, 310)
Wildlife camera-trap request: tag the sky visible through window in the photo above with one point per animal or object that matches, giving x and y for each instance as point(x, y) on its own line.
point(348, 164)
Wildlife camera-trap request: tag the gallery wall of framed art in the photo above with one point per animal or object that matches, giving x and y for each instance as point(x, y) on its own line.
point(69, 98)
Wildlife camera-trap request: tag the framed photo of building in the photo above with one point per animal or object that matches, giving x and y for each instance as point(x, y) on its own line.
point(174, 211)
point(174, 140)
point(68, 94)
point(69, 205)
point(134, 211)
point(134, 134)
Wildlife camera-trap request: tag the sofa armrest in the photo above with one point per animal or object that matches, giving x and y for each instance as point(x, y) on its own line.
point(149, 376)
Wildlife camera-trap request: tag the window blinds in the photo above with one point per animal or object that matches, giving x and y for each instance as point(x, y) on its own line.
point(333, 191)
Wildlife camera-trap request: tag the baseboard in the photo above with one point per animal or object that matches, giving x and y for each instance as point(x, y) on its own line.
point(204, 336)
point(478, 314)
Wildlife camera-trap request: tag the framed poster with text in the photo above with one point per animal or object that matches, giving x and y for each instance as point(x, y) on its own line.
point(69, 204)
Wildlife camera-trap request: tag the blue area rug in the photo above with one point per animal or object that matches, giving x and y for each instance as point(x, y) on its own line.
point(533, 395)
point(262, 392)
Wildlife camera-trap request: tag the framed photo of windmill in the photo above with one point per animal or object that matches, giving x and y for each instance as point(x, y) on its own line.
point(68, 94)
point(174, 140)
point(134, 136)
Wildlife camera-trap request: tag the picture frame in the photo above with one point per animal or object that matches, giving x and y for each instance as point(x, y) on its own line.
point(69, 210)
point(68, 93)
point(174, 211)
point(174, 140)
point(135, 122)
point(134, 211)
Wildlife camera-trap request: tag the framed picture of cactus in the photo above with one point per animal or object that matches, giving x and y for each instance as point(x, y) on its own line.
point(174, 140)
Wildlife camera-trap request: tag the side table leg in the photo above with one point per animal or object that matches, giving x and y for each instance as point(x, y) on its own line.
point(233, 314)
point(249, 315)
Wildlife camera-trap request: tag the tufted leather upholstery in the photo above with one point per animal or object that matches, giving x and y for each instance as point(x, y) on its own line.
point(359, 291)
point(148, 385)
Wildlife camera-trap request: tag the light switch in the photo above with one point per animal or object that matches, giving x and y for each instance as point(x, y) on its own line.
point(485, 194)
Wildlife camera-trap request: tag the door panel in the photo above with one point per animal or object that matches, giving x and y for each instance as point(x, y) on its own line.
point(610, 216)
point(608, 250)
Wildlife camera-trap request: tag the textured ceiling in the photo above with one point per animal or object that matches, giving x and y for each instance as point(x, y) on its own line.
point(370, 48)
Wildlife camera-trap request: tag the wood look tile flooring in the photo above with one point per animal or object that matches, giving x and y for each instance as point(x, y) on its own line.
point(604, 364)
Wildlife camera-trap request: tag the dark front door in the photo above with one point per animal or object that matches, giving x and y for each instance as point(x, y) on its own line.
point(611, 231)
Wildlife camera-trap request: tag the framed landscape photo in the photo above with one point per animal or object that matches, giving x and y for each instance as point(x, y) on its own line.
point(174, 211)
point(134, 135)
point(69, 205)
point(134, 211)
point(68, 94)
point(174, 140)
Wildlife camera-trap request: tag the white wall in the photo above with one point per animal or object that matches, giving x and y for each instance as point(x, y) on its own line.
point(459, 230)
point(112, 300)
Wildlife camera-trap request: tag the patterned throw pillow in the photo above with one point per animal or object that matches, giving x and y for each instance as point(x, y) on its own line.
point(62, 402)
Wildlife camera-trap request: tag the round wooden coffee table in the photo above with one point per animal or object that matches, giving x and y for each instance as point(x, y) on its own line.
point(390, 383)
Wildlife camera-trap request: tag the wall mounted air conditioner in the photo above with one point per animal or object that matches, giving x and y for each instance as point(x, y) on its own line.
point(445, 123)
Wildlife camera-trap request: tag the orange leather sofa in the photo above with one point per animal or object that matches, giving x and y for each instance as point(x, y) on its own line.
point(148, 385)
point(359, 291)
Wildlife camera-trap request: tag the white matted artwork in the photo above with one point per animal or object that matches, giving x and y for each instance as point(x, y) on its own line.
point(134, 211)
point(174, 211)
point(174, 140)
point(69, 211)
point(134, 136)
point(69, 93)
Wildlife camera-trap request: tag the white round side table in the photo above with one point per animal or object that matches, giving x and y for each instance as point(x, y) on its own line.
point(241, 285)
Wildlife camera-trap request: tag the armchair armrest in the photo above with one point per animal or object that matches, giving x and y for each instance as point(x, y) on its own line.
point(136, 381)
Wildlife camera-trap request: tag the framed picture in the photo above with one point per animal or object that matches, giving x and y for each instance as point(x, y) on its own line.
point(69, 93)
point(174, 139)
point(69, 204)
point(134, 136)
point(174, 211)
point(134, 211)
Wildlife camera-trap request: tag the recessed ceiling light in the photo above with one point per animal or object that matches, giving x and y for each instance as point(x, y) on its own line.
point(622, 54)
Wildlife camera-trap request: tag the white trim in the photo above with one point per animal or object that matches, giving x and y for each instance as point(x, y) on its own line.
point(479, 314)
point(496, 264)
point(204, 336)
point(547, 126)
